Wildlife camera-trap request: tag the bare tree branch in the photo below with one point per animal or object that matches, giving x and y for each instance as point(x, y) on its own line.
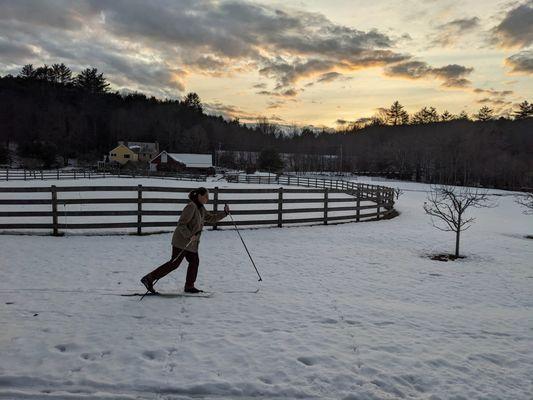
point(448, 204)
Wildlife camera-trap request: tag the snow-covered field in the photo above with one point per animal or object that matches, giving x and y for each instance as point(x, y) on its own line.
point(352, 311)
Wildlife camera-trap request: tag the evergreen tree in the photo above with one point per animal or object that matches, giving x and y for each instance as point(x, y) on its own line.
point(192, 101)
point(27, 72)
point(62, 74)
point(446, 116)
point(525, 110)
point(425, 116)
point(270, 160)
point(396, 115)
point(90, 80)
point(484, 114)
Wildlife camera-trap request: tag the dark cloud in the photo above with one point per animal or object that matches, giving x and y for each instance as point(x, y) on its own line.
point(495, 102)
point(279, 93)
point(153, 46)
point(452, 75)
point(331, 76)
point(516, 28)
point(10, 50)
point(521, 63)
point(449, 33)
point(56, 14)
point(492, 92)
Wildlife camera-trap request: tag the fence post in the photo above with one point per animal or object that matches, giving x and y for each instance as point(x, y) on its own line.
point(139, 208)
point(42, 177)
point(280, 207)
point(58, 174)
point(55, 230)
point(215, 205)
point(24, 173)
point(7, 174)
point(358, 211)
point(325, 206)
point(378, 198)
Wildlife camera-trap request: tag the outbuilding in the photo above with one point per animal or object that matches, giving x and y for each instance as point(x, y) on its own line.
point(183, 162)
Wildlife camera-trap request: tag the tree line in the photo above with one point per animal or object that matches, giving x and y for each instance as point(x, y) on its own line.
point(48, 112)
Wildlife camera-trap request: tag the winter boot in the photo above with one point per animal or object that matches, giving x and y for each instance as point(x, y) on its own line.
point(148, 283)
point(192, 290)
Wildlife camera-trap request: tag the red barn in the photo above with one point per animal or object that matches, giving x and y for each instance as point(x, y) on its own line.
point(182, 162)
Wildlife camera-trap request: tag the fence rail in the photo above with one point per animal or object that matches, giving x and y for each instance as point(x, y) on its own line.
point(285, 206)
point(60, 174)
point(375, 193)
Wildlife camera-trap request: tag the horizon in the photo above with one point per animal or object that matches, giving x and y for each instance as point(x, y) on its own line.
point(305, 64)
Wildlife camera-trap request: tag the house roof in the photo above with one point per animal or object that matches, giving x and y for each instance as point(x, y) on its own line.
point(191, 160)
point(141, 147)
point(121, 145)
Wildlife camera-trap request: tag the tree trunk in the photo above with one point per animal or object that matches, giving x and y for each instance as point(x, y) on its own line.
point(457, 237)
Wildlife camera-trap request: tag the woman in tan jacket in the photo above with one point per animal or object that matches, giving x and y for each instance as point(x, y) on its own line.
point(186, 239)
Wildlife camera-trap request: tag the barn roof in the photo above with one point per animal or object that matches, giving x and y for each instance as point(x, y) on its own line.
point(191, 160)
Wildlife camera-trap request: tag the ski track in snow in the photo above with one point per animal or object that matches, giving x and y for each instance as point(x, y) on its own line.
point(351, 311)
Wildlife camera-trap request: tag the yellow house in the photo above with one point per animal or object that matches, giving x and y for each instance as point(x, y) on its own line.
point(122, 154)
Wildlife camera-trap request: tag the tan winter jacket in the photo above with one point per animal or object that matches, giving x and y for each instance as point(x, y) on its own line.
point(191, 222)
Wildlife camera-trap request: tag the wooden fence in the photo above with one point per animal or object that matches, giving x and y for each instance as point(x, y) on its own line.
point(269, 206)
point(377, 194)
point(60, 174)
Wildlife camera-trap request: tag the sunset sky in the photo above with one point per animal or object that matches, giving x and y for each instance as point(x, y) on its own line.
point(295, 62)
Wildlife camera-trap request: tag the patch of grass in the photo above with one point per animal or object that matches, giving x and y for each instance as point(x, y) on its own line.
point(444, 257)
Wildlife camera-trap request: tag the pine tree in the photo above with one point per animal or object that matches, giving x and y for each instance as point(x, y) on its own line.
point(525, 110)
point(396, 115)
point(62, 74)
point(484, 114)
point(27, 72)
point(446, 116)
point(192, 100)
point(425, 116)
point(90, 80)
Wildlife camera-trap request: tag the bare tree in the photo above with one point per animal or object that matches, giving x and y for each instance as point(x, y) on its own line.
point(448, 204)
point(526, 201)
point(398, 192)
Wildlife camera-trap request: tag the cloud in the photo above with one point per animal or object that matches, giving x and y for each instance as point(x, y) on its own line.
point(452, 75)
point(282, 93)
point(12, 50)
point(154, 46)
point(521, 63)
point(496, 102)
point(493, 92)
point(332, 76)
point(449, 33)
point(516, 28)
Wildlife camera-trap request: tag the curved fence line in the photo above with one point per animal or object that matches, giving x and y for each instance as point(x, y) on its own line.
point(376, 193)
point(141, 206)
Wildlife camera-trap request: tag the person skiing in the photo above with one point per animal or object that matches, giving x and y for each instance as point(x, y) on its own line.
point(186, 239)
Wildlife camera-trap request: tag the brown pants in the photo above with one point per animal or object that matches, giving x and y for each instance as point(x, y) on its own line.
point(175, 261)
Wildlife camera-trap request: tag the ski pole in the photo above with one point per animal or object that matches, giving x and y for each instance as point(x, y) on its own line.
point(244, 244)
point(174, 259)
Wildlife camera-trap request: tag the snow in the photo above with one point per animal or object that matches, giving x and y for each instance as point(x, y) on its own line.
point(193, 160)
point(351, 311)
